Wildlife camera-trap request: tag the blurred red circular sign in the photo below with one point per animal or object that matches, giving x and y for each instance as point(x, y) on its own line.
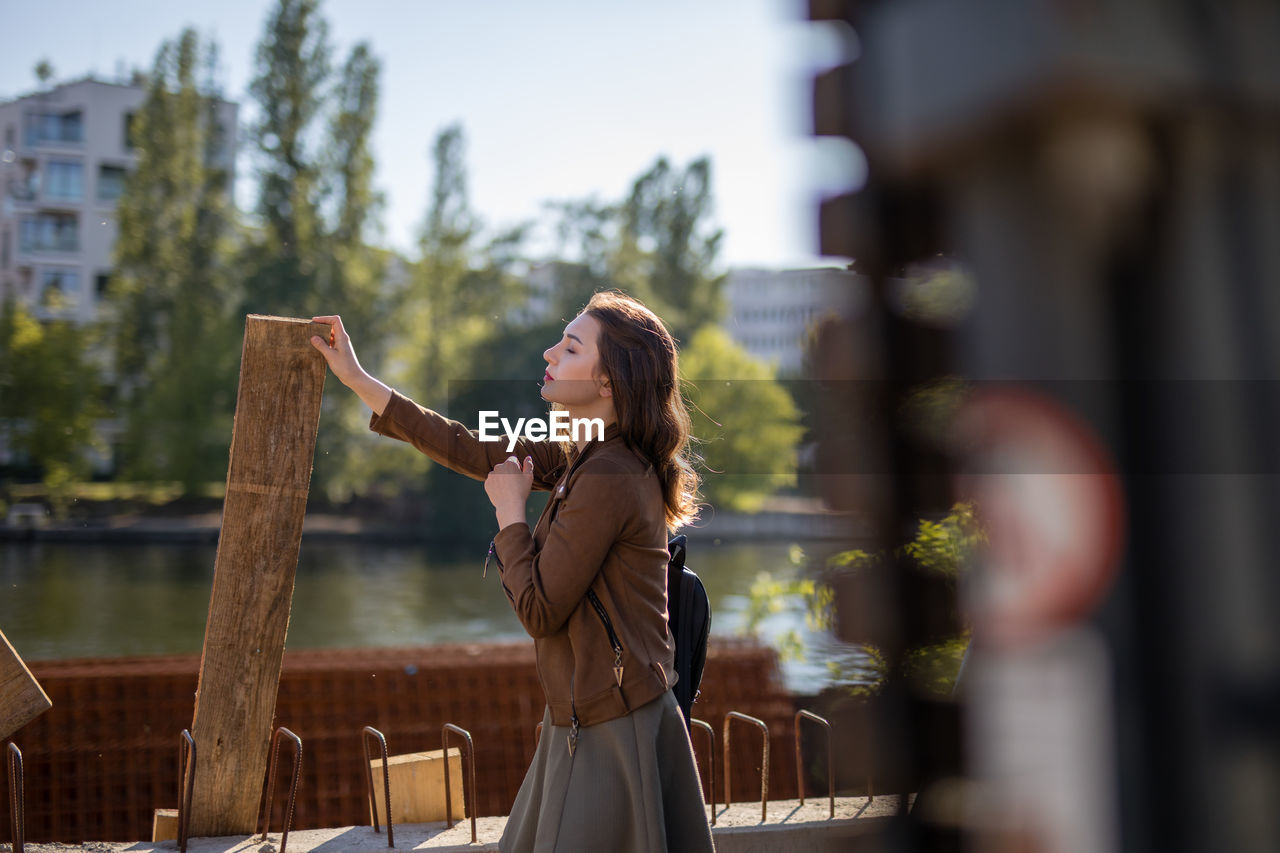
point(1051, 503)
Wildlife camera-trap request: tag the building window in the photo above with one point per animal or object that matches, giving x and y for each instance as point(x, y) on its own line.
point(110, 182)
point(129, 124)
point(49, 232)
point(218, 147)
point(23, 186)
point(102, 281)
point(59, 288)
point(55, 127)
point(64, 179)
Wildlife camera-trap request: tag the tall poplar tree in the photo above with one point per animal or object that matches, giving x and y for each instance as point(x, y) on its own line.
point(461, 292)
point(292, 70)
point(462, 289)
point(667, 241)
point(354, 280)
point(317, 209)
point(174, 337)
point(658, 244)
point(353, 272)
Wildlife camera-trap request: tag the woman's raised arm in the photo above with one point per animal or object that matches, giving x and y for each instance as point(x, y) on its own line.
point(341, 357)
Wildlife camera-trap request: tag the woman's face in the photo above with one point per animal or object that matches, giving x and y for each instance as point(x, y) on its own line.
point(571, 377)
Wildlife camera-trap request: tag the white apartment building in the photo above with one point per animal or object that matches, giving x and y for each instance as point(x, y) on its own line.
point(772, 312)
point(63, 160)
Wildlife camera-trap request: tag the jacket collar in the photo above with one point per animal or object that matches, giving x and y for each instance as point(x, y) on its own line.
point(611, 432)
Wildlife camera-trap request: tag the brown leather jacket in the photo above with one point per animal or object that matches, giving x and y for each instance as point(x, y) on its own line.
point(603, 530)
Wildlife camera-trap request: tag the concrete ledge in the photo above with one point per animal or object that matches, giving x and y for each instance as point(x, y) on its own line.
point(790, 827)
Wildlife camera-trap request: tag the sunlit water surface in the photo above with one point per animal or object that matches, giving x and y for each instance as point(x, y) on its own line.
point(70, 600)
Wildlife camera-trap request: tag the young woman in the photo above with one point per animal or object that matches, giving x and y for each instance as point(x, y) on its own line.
point(614, 767)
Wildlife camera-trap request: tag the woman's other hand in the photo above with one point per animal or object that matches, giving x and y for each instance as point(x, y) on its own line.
point(508, 486)
point(341, 358)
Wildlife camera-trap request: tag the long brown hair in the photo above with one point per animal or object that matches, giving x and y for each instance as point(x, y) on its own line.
point(638, 358)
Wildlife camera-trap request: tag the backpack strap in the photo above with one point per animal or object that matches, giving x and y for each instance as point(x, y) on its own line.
point(676, 550)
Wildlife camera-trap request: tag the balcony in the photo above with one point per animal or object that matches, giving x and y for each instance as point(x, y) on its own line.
point(49, 232)
point(23, 180)
point(20, 190)
point(60, 130)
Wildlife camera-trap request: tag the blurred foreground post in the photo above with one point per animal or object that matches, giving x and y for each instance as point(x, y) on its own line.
point(1107, 177)
point(272, 447)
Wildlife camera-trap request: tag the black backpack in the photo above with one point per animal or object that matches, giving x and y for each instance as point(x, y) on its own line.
point(689, 618)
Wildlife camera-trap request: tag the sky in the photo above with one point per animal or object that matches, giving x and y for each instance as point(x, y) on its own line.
point(559, 99)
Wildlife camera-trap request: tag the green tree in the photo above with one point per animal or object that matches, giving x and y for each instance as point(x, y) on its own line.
point(944, 546)
point(49, 392)
point(44, 72)
point(587, 234)
point(657, 244)
point(352, 271)
point(463, 286)
point(455, 314)
point(318, 211)
point(669, 246)
point(292, 68)
point(746, 423)
point(445, 321)
point(174, 339)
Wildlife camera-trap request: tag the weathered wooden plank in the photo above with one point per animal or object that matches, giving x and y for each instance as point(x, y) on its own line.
point(268, 477)
point(417, 787)
point(21, 697)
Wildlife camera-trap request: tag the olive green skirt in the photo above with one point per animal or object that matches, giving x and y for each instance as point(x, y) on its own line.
point(630, 786)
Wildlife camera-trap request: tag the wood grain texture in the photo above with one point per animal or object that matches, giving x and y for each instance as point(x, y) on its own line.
point(272, 449)
point(21, 697)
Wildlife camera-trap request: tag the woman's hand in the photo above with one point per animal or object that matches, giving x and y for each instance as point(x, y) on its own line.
point(341, 357)
point(508, 486)
point(338, 351)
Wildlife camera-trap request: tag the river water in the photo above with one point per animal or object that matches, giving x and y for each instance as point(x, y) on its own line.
point(71, 600)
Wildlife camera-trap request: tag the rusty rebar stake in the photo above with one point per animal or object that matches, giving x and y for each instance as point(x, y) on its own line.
point(831, 773)
point(703, 725)
point(271, 783)
point(17, 799)
point(471, 777)
point(764, 764)
point(186, 785)
point(366, 733)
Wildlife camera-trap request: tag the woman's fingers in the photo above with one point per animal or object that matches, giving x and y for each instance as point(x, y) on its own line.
point(336, 330)
point(513, 466)
point(337, 351)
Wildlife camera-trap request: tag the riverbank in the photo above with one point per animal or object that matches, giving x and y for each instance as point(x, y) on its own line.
point(199, 521)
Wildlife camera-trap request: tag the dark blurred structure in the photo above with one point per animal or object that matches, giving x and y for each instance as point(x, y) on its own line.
point(1108, 173)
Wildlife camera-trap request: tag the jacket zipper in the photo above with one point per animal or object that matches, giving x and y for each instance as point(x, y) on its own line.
point(574, 725)
point(613, 637)
point(573, 719)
